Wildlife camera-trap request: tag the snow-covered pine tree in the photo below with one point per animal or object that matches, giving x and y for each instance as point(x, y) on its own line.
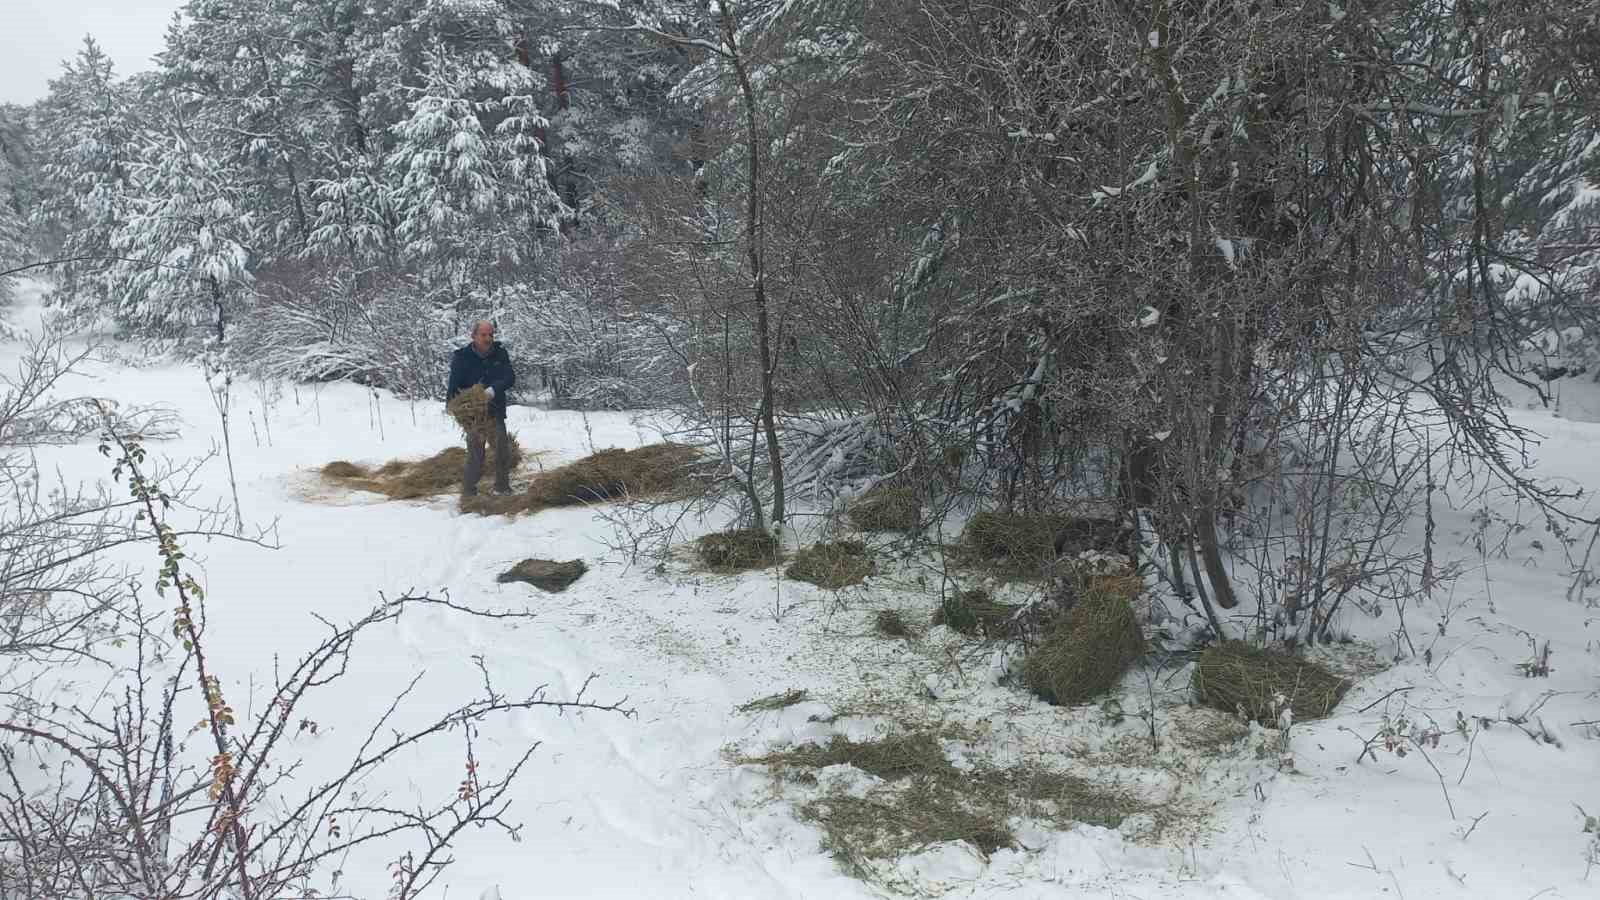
point(89, 130)
point(470, 191)
point(185, 246)
point(15, 163)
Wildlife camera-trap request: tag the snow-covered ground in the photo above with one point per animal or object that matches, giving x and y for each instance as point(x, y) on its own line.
point(653, 806)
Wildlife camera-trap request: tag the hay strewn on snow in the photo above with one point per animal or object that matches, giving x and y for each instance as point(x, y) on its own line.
point(1087, 651)
point(401, 479)
point(832, 565)
point(656, 470)
point(1234, 676)
point(737, 550)
point(889, 758)
point(612, 473)
point(925, 800)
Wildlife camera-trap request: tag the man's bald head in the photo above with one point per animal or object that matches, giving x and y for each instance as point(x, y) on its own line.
point(483, 336)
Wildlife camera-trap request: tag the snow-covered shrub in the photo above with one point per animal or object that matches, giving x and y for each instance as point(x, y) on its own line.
point(586, 346)
point(324, 326)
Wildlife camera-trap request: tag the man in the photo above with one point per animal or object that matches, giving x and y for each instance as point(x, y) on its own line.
point(486, 362)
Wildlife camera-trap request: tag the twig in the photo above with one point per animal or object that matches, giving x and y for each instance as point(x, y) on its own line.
point(1397, 690)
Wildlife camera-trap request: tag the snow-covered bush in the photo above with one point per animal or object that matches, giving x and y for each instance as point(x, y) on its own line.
point(304, 325)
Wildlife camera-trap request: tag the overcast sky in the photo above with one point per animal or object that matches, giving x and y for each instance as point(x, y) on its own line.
point(36, 35)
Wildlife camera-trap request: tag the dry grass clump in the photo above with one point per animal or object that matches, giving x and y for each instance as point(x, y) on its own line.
point(470, 409)
point(737, 550)
point(1024, 546)
point(545, 574)
point(401, 479)
point(832, 565)
point(887, 508)
point(926, 800)
point(775, 702)
point(891, 623)
point(1235, 677)
point(974, 613)
point(1084, 653)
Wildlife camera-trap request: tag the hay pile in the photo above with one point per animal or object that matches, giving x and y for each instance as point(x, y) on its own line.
point(657, 470)
point(1085, 653)
point(470, 409)
point(545, 574)
point(415, 479)
point(737, 550)
point(832, 565)
point(1027, 544)
point(886, 508)
point(974, 613)
point(1236, 677)
point(612, 473)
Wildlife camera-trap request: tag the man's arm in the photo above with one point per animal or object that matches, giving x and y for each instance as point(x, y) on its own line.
point(505, 376)
point(454, 385)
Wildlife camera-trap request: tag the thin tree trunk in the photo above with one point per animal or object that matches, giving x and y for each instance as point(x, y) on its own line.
point(756, 253)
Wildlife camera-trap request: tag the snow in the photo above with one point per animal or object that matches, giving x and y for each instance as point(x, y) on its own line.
point(652, 805)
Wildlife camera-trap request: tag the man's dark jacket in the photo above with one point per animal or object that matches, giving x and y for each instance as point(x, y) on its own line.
point(467, 368)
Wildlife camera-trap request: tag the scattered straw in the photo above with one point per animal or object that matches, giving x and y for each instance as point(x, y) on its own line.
point(896, 756)
point(1087, 651)
point(653, 471)
point(737, 550)
point(925, 800)
point(832, 565)
point(888, 824)
point(415, 479)
point(1236, 677)
point(1206, 730)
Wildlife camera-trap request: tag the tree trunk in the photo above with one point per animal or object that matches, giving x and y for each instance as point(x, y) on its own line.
point(756, 253)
